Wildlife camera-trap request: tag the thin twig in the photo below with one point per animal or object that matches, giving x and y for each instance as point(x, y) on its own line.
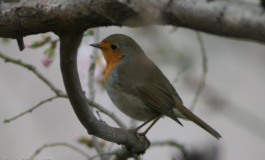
point(56, 90)
point(204, 70)
point(107, 112)
point(172, 144)
point(56, 145)
point(91, 69)
point(32, 109)
point(121, 154)
point(180, 73)
point(101, 155)
point(98, 148)
point(91, 73)
point(32, 69)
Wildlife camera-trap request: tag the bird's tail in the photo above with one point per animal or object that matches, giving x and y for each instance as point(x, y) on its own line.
point(192, 117)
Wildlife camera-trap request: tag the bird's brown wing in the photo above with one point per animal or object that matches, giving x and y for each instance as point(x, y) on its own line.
point(140, 77)
point(158, 98)
point(161, 100)
point(144, 80)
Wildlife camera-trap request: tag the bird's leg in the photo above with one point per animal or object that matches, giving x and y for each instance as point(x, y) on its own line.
point(156, 118)
point(144, 133)
point(139, 127)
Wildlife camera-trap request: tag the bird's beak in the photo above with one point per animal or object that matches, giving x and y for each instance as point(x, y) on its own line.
point(96, 45)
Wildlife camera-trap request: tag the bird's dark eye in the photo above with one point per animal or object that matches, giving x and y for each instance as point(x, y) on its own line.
point(114, 46)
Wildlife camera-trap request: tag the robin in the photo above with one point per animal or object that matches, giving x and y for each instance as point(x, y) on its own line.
point(138, 87)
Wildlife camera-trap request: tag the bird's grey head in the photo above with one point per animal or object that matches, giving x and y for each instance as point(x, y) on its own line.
point(119, 43)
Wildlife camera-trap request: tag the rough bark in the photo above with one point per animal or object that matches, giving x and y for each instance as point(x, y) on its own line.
point(235, 19)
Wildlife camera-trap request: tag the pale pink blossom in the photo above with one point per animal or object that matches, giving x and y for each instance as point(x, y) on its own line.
point(27, 45)
point(47, 60)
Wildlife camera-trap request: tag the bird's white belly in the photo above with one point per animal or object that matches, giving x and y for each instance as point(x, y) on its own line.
point(131, 105)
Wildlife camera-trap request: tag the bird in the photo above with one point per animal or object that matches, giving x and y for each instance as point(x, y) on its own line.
point(138, 87)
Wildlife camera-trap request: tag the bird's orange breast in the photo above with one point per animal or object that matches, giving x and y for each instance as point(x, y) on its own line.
point(112, 59)
point(109, 69)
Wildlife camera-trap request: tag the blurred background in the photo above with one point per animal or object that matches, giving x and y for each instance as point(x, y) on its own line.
point(232, 101)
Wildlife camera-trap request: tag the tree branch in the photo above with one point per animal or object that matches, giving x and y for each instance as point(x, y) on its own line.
point(92, 94)
point(173, 144)
point(32, 68)
point(68, 54)
point(226, 18)
point(32, 109)
point(120, 154)
point(56, 145)
point(204, 71)
point(56, 91)
point(113, 116)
